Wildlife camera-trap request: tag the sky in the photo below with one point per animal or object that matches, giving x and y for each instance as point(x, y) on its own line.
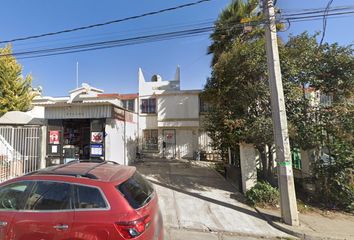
point(115, 70)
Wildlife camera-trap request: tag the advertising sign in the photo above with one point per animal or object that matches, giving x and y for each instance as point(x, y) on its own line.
point(96, 150)
point(54, 137)
point(96, 137)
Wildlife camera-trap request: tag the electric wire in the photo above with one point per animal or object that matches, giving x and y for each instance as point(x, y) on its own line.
point(126, 41)
point(184, 33)
point(106, 23)
point(325, 14)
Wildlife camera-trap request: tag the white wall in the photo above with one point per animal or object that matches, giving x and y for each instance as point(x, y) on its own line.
point(148, 122)
point(114, 140)
point(178, 106)
point(186, 143)
point(121, 141)
point(131, 141)
point(248, 157)
point(204, 142)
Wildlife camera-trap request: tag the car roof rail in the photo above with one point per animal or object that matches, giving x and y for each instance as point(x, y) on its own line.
point(87, 174)
point(99, 164)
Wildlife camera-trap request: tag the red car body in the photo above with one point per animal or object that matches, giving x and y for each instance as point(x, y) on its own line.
point(91, 201)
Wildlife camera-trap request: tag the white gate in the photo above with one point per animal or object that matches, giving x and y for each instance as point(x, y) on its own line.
point(19, 151)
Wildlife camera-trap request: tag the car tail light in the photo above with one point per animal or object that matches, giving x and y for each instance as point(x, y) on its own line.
point(133, 229)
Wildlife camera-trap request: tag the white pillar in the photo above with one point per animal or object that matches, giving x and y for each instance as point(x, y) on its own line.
point(43, 148)
point(306, 156)
point(248, 166)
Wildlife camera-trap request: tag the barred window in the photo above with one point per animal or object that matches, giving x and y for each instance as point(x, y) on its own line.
point(150, 141)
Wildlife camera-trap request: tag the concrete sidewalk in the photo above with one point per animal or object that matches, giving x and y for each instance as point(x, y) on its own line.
point(197, 201)
point(315, 225)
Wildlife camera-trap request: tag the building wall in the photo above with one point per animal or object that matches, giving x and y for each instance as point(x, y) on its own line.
point(182, 106)
point(114, 140)
point(121, 140)
point(177, 110)
point(131, 139)
point(204, 142)
point(186, 143)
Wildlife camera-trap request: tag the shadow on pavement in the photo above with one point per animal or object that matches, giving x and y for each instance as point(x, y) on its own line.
point(211, 200)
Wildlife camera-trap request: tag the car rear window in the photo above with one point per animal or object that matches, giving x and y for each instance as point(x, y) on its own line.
point(136, 190)
point(88, 198)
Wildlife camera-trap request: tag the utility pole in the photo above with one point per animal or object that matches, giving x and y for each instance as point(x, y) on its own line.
point(285, 172)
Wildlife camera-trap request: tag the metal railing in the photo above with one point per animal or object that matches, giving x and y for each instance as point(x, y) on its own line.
point(19, 151)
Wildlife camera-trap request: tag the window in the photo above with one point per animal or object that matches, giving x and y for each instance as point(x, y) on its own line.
point(204, 106)
point(150, 140)
point(148, 105)
point(49, 196)
point(88, 198)
point(136, 190)
point(13, 195)
point(129, 104)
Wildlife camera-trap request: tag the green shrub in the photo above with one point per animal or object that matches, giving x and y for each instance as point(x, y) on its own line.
point(263, 194)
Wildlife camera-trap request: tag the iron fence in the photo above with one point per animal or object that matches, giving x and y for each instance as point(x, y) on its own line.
point(19, 151)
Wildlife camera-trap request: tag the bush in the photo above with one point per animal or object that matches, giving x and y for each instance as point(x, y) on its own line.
point(263, 194)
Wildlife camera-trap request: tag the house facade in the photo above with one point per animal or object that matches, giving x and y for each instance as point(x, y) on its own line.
point(161, 120)
point(88, 124)
point(170, 119)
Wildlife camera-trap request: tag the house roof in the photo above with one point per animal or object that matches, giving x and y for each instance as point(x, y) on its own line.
point(128, 96)
point(20, 118)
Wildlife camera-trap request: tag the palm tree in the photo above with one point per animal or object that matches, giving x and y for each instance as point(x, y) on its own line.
point(227, 26)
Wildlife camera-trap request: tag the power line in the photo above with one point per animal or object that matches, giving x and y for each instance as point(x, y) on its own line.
point(292, 12)
point(126, 41)
point(106, 23)
point(158, 36)
point(319, 15)
point(110, 44)
point(325, 20)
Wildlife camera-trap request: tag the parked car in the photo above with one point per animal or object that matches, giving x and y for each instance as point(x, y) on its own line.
point(80, 200)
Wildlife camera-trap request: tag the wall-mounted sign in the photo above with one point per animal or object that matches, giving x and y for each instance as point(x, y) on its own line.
point(54, 137)
point(97, 137)
point(54, 149)
point(96, 150)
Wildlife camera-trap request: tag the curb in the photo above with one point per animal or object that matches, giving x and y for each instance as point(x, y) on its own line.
point(294, 233)
point(221, 233)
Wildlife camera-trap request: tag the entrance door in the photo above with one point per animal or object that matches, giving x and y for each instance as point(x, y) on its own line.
point(169, 136)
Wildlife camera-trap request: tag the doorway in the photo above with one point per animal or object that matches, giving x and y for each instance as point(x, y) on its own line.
point(76, 139)
point(169, 138)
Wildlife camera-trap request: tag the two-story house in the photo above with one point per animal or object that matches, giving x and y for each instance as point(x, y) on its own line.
point(170, 123)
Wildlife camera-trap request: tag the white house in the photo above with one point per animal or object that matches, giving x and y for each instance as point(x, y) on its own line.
point(88, 124)
point(170, 122)
point(161, 120)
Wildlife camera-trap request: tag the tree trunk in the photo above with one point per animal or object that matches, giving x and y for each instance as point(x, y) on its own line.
point(270, 166)
point(264, 161)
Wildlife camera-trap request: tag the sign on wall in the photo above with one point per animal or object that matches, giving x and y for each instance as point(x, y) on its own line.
point(96, 137)
point(54, 137)
point(96, 150)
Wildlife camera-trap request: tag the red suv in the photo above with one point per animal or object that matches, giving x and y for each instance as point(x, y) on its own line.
point(80, 200)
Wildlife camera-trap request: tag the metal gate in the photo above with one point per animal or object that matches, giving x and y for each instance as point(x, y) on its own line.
point(19, 151)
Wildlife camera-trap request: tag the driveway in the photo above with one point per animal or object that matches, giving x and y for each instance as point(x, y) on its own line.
point(198, 203)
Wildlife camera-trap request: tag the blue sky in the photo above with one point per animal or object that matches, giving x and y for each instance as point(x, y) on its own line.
point(115, 70)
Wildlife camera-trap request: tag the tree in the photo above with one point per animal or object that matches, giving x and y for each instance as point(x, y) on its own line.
point(227, 27)
point(239, 94)
point(239, 91)
point(15, 90)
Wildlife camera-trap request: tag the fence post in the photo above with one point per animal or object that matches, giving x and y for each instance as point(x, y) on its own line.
point(42, 147)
